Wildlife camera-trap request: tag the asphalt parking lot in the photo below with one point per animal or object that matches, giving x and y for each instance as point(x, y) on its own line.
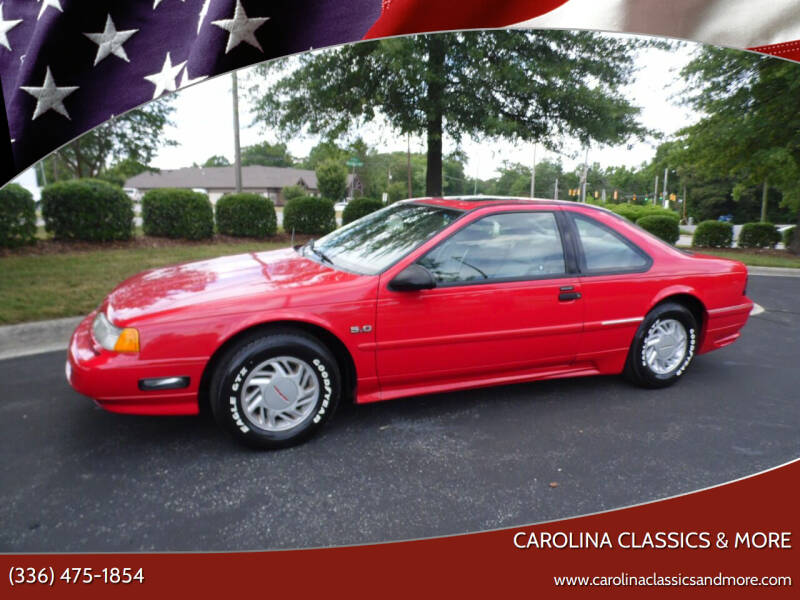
point(75, 478)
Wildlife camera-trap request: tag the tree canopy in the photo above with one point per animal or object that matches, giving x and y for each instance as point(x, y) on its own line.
point(752, 128)
point(538, 86)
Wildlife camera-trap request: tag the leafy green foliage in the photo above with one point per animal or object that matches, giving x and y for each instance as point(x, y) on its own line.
point(267, 155)
point(789, 236)
point(634, 212)
point(758, 235)
point(535, 86)
point(136, 135)
point(311, 215)
point(246, 215)
point(664, 226)
point(713, 234)
point(217, 161)
point(175, 213)
point(359, 207)
point(332, 180)
point(17, 216)
point(87, 210)
point(293, 191)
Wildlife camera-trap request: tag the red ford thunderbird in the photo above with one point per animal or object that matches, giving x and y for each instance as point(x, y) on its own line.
point(423, 296)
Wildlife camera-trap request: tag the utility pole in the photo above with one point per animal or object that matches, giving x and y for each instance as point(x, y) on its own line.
point(555, 194)
point(664, 195)
point(408, 163)
point(475, 181)
point(533, 173)
point(585, 175)
point(655, 191)
point(684, 203)
point(764, 203)
point(237, 151)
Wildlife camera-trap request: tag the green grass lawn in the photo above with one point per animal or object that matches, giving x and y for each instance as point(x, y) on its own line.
point(48, 286)
point(755, 258)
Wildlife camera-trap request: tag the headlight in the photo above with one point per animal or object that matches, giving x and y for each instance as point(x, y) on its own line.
point(114, 338)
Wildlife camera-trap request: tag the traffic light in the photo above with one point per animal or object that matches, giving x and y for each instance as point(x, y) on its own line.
point(616, 195)
point(596, 194)
point(634, 198)
point(673, 197)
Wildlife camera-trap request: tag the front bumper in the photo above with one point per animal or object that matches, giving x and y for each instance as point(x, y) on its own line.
point(112, 379)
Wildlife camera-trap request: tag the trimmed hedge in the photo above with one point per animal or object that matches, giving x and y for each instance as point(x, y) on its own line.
point(17, 216)
point(309, 215)
point(713, 234)
point(759, 235)
point(174, 213)
point(88, 210)
point(634, 212)
point(664, 226)
point(359, 207)
point(788, 235)
point(246, 215)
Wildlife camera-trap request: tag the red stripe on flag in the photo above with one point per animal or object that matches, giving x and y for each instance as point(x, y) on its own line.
point(416, 16)
point(790, 50)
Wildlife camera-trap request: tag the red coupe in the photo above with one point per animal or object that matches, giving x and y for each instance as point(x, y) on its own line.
point(423, 296)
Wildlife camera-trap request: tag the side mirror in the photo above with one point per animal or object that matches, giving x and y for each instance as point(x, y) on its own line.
point(414, 277)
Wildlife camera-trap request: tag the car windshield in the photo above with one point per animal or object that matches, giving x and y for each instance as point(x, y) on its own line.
point(373, 243)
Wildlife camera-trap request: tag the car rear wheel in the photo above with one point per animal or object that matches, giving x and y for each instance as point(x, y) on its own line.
point(663, 347)
point(275, 389)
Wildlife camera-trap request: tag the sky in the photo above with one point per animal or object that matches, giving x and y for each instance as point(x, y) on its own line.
point(203, 124)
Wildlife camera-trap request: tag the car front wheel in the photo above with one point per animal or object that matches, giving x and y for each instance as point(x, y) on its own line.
point(663, 347)
point(275, 389)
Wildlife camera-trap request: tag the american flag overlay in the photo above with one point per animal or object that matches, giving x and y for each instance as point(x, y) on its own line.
point(69, 65)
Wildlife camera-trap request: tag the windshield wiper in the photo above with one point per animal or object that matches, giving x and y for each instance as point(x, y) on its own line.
point(319, 252)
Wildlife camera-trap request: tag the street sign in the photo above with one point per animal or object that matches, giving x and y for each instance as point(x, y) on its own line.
point(354, 162)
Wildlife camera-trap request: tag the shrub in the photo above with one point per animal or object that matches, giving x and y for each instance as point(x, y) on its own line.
point(246, 215)
point(634, 212)
point(87, 209)
point(664, 226)
point(359, 207)
point(17, 216)
point(332, 180)
point(788, 235)
point(177, 213)
point(310, 215)
point(293, 191)
point(713, 234)
point(759, 235)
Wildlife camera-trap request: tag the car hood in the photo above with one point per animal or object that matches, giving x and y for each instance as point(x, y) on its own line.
point(224, 284)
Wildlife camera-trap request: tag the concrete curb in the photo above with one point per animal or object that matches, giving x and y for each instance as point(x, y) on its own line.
point(38, 337)
point(774, 271)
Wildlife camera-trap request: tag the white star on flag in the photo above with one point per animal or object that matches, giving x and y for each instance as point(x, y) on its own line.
point(110, 41)
point(49, 96)
point(240, 28)
point(54, 3)
point(186, 80)
point(5, 27)
point(157, 2)
point(165, 79)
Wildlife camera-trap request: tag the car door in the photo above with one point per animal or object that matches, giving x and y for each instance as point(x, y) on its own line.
point(615, 287)
point(506, 302)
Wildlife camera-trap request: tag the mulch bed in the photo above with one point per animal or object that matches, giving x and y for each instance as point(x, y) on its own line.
point(42, 247)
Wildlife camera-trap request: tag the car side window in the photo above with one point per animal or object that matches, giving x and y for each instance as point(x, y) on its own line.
point(604, 250)
point(523, 245)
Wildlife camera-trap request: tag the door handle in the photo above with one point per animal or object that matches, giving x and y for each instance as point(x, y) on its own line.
point(566, 296)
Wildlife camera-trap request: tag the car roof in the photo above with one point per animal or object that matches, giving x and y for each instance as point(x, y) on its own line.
point(466, 203)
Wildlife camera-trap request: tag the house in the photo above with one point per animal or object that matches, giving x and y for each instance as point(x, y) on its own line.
point(216, 181)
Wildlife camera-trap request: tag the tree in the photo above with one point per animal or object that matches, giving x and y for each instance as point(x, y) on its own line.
point(121, 171)
point(136, 135)
point(534, 86)
point(332, 180)
point(752, 131)
point(267, 155)
point(217, 161)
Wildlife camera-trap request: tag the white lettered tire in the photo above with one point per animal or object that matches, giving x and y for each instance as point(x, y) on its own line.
point(663, 347)
point(275, 388)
